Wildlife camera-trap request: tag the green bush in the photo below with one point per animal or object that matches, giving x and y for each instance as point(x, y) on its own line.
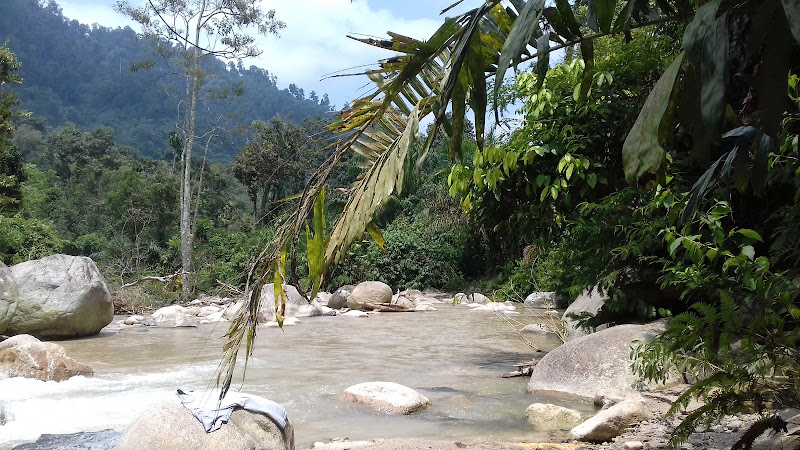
point(418, 254)
point(25, 239)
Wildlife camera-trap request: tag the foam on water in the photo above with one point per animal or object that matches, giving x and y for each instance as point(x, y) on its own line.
point(31, 408)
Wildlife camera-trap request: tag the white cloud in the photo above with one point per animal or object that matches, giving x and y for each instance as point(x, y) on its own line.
point(314, 42)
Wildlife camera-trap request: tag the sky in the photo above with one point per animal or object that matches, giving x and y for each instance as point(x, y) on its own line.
point(314, 42)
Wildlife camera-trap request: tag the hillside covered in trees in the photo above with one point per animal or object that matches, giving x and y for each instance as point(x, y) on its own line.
point(82, 74)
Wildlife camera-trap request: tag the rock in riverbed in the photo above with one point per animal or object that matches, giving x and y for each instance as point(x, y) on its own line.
point(387, 397)
point(25, 356)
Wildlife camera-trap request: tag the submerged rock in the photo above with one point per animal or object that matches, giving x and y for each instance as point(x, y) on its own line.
point(25, 356)
point(547, 416)
point(387, 397)
point(169, 425)
point(60, 296)
point(92, 440)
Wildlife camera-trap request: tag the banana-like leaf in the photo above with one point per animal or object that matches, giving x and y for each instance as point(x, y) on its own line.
point(379, 182)
point(642, 152)
point(706, 44)
point(587, 53)
point(565, 10)
point(316, 246)
point(791, 8)
point(524, 28)
point(376, 235)
point(601, 14)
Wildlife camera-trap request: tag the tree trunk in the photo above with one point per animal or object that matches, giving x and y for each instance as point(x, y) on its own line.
point(187, 236)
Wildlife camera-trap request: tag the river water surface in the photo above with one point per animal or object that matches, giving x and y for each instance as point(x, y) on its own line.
point(453, 356)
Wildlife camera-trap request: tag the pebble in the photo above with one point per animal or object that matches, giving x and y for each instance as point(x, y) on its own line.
point(633, 445)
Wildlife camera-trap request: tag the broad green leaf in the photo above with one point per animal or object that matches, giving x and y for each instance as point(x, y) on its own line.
point(316, 246)
point(543, 61)
point(706, 43)
point(565, 10)
point(601, 14)
point(750, 234)
point(539, 180)
point(791, 8)
point(459, 109)
point(642, 152)
point(674, 245)
point(376, 235)
point(773, 70)
point(587, 53)
point(795, 312)
point(517, 41)
point(624, 19)
point(591, 179)
point(749, 252)
point(570, 169)
point(555, 20)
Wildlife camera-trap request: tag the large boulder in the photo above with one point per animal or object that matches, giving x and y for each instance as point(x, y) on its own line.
point(296, 305)
point(169, 425)
point(9, 295)
point(369, 293)
point(387, 397)
point(588, 366)
point(60, 296)
point(339, 298)
point(25, 356)
point(543, 300)
point(586, 306)
point(612, 422)
point(552, 417)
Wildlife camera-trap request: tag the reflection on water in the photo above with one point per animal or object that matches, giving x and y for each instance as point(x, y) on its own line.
point(453, 356)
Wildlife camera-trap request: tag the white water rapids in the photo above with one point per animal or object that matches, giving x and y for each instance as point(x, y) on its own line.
point(453, 356)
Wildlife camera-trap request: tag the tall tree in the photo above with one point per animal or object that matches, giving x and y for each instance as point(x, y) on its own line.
point(10, 160)
point(186, 33)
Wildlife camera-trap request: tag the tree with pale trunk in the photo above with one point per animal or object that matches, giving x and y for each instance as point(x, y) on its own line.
point(185, 33)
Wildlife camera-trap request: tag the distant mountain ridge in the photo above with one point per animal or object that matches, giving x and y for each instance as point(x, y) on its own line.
point(78, 73)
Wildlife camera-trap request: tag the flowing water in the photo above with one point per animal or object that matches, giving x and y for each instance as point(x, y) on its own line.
point(453, 356)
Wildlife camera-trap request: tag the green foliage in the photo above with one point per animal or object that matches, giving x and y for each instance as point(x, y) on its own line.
point(11, 173)
point(418, 254)
point(24, 239)
point(740, 337)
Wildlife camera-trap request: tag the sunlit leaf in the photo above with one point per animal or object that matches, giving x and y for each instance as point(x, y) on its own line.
point(642, 152)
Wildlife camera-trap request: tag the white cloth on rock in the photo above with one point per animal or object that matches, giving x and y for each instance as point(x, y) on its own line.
point(213, 412)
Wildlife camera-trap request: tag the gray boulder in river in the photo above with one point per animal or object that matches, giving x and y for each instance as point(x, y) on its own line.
point(592, 365)
point(60, 296)
point(169, 425)
point(369, 293)
point(9, 294)
point(339, 298)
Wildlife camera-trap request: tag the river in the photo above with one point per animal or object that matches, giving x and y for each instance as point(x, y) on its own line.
point(453, 356)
